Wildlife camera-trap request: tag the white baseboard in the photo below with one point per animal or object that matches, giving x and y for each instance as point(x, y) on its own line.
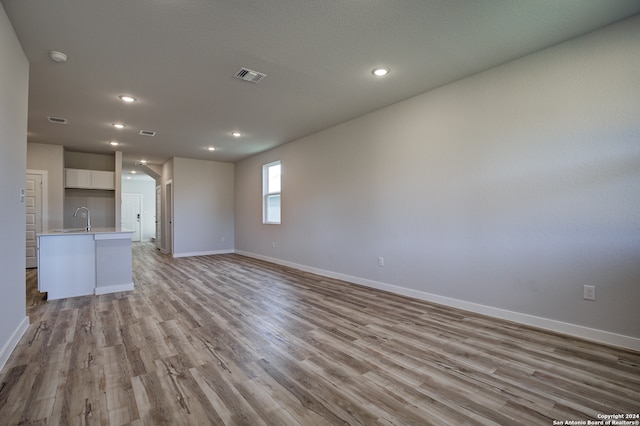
point(113, 288)
point(574, 330)
point(203, 253)
point(11, 344)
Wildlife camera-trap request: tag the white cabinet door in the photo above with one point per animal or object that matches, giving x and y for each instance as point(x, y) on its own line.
point(66, 265)
point(77, 178)
point(102, 180)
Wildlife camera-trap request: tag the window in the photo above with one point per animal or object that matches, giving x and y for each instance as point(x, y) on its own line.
point(271, 177)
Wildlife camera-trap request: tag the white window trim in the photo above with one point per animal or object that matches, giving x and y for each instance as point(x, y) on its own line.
point(266, 194)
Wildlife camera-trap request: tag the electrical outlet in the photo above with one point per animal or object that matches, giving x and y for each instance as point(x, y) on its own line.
point(222, 239)
point(589, 292)
point(381, 262)
point(273, 244)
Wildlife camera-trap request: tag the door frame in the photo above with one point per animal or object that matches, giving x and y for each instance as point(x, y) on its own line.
point(168, 217)
point(158, 217)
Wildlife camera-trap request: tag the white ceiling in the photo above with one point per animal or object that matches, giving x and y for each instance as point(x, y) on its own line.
point(178, 59)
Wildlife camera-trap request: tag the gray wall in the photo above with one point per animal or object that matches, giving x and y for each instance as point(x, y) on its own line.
point(203, 207)
point(14, 87)
point(90, 161)
point(502, 193)
point(102, 203)
point(50, 158)
point(63, 202)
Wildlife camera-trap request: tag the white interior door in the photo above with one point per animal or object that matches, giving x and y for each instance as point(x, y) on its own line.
point(159, 217)
point(34, 215)
point(131, 217)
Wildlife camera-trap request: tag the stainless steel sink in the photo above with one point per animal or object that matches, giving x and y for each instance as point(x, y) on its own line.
point(69, 230)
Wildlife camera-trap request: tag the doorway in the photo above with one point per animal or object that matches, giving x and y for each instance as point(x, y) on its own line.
point(131, 214)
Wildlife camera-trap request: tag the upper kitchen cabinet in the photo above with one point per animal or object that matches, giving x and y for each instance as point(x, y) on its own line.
point(102, 180)
point(89, 179)
point(89, 171)
point(76, 178)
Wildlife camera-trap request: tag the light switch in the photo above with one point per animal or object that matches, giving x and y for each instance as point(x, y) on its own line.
point(589, 292)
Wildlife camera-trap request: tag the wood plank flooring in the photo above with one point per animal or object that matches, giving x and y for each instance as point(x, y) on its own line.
point(225, 339)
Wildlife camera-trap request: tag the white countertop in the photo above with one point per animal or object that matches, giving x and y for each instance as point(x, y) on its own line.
point(82, 231)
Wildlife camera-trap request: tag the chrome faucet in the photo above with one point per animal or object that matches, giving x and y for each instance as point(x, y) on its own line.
point(88, 216)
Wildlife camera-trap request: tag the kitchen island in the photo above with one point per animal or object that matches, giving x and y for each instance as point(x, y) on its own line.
point(76, 262)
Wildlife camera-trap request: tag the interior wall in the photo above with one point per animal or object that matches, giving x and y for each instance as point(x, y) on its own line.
point(203, 207)
point(14, 86)
point(101, 203)
point(50, 158)
point(511, 189)
point(89, 161)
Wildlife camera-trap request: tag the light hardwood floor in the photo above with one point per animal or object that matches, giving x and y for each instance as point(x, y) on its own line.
point(226, 339)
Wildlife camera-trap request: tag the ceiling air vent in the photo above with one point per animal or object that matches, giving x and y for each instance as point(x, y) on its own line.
point(249, 75)
point(57, 120)
point(147, 133)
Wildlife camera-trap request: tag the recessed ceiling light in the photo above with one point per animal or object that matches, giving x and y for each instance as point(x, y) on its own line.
point(127, 99)
point(236, 134)
point(128, 177)
point(133, 172)
point(118, 125)
point(143, 162)
point(57, 56)
point(212, 148)
point(114, 143)
point(380, 71)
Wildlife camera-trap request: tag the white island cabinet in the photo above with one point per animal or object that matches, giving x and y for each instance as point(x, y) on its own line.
point(74, 262)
